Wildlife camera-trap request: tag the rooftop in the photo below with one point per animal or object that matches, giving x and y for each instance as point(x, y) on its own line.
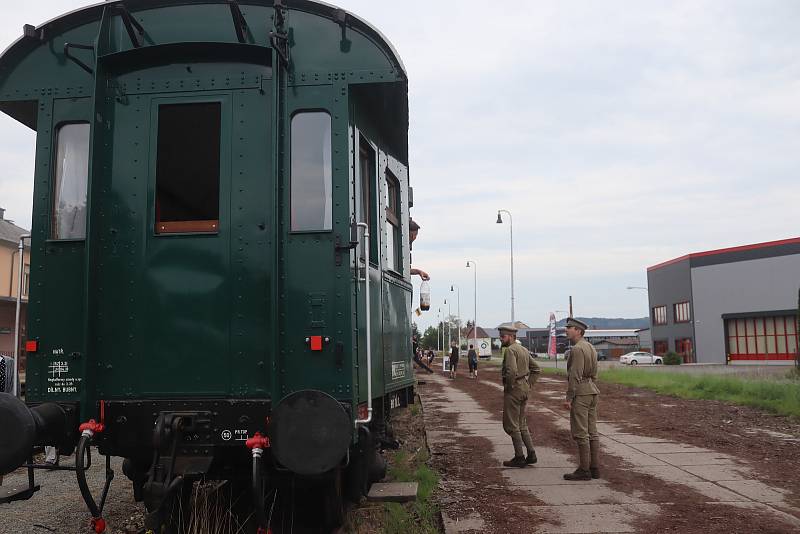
point(10, 232)
point(765, 249)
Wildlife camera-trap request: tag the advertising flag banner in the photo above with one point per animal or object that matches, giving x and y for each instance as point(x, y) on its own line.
point(551, 345)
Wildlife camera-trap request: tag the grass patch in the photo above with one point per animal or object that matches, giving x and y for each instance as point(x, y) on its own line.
point(421, 516)
point(778, 397)
point(554, 370)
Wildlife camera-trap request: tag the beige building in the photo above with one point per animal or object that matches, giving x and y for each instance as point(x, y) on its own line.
point(9, 283)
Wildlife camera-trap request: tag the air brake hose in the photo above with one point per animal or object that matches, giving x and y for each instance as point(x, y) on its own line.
point(80, 470)
point(257, 445)
point(88, 430)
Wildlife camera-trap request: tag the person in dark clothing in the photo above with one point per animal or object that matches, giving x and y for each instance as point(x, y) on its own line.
point(418, 355)
point(431, 356)
point(472, 360)
point(453, 359)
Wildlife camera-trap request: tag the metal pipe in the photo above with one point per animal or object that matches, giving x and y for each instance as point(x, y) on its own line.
point(458, 321)
point(21, 250)
point(365, 226)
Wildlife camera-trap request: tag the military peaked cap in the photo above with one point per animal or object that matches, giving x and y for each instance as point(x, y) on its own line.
point(507, 328)
point(571, 321)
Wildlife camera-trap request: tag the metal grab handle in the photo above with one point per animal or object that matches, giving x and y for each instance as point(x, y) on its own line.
point(74, 59)
point(365, 226)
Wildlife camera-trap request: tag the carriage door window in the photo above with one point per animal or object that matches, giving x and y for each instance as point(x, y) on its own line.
point(187, 168)
point(72, 174)
point(311, 172)
point(366, 174)
point(393, 238)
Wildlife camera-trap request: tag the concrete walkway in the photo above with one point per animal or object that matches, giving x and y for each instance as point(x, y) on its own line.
point(594, 506)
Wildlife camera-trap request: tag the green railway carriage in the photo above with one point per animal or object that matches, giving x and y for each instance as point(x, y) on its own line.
point(221, 201)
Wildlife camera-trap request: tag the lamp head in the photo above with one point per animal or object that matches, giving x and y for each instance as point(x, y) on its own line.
point(451, 288)
point(499, 219)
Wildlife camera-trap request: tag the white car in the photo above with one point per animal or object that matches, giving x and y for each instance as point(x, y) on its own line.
point(635, 358)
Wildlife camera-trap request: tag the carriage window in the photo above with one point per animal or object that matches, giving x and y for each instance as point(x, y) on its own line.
point(393, 236)
point(311, 172)
point(187, 168)
point(366, 176)
point(72, 174)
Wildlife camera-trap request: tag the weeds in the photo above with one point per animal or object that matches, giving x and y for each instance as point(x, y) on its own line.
point(421, 516)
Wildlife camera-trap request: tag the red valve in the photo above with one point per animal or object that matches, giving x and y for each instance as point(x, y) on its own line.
point(98, 525)
point(257, 442)
point(93, 426)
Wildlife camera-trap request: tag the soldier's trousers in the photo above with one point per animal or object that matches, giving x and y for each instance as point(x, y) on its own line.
point(515, 422)
point(583, 418)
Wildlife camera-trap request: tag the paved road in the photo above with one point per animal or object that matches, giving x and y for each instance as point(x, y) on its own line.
point(612, 504)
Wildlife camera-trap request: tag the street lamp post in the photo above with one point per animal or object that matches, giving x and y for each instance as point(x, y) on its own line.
point(475, 300)
point(439, 330)
point(511, 227)
point(449, 326)
point(458, 311)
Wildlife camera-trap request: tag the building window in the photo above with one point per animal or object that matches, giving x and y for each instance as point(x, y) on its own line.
point(660, 347)
point(312, 171)
point(393, 236)
point(660, 315)
point(762, 338)
point(681, 312)
point(683, 346)
point(188, 168)
point(71, 179)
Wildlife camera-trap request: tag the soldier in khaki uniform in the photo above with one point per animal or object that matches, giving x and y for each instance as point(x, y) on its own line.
point(582, 397)
point(519, 372)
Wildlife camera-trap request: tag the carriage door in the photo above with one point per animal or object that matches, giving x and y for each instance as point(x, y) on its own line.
point(188, 223)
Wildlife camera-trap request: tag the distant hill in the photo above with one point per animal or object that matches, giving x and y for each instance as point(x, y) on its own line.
point(605, 323)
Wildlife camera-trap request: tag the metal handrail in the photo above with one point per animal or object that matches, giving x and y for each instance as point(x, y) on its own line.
point(365, 226)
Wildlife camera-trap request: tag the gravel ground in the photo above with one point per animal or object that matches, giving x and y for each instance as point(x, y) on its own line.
point(58, 506)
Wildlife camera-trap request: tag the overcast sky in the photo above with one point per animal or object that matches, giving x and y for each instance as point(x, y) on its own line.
point(618, 134)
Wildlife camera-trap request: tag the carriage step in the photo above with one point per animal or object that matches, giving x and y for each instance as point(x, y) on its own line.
point(393, 492)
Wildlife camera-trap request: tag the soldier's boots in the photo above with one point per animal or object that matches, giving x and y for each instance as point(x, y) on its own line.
point(526, 439)
point(578, 474)
point(516, 461)
point(594, 450)
point(583, 472)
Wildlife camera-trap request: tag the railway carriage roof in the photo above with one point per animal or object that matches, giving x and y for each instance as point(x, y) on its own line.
point(93, 12)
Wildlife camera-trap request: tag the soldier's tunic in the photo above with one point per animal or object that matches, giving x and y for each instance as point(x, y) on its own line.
point(582, 392)
point(519, 373)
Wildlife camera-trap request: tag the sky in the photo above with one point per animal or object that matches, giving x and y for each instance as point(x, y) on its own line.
point(618, 135)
